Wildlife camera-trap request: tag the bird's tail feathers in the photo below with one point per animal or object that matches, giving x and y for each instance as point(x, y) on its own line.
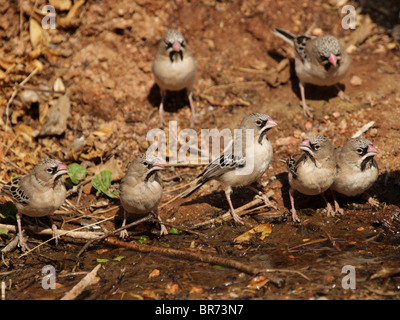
point(194, 186)
point(285, 35)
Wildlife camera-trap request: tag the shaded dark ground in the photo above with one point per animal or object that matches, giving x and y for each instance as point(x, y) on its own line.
point(104, 59)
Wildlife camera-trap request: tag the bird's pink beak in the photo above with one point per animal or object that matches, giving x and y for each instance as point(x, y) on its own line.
point(271, 123)
point(372, 150)
point(305, 144)
point(62, 167)
point(158, 163)
point(333, 59)
point(177, 46)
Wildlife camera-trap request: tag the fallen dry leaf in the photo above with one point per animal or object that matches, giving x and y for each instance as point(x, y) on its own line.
point(150, 294)
point(155, 273)
point(59, 85)
point(258, 282)
point(25, 131)
point(37, 34)
point(261, 232)
point(56, 121)
point(103, 131)
point(195, 290)
point(171, 288)
point(112, 165)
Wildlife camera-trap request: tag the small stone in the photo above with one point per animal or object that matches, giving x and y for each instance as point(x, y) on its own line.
point(308, 126)
point(317, 32)
point(355, 81)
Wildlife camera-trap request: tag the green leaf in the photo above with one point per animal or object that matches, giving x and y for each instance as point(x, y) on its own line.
point(119, 258)
point(102, 184)
point(218, 267)
point(144, 239)
point(99, 260)
point(9, 210)
point(174, 231)
point(76, 173)
point(3, 231)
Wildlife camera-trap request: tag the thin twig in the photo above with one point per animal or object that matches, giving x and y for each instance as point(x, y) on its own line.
point(228, 216)
point(169, 201)
point(171, 225)
point(331, 239)
point(15, 165)
point(82, 183)
point(308, 243)
point(146, 218)
point(195, 255)
point(13, 95)
point(89, 279)
point(64, 232)
point(363, 129)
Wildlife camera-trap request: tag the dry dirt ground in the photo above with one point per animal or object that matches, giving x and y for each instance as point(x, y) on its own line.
point(101, 54)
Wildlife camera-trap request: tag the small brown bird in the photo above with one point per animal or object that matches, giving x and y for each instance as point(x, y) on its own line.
point(244, 166)
point(312, 171)
point(321, 61)
point(141, 189)
point(174, 69)
point(39, 193)
point(357, 170)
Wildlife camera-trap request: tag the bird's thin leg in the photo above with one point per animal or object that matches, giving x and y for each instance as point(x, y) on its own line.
point(293, 209)
point(306, 109)
point(124, 233)
point(164, 230)
point(337, 207)
point(262, 196)
point(22, 242)
point(371, 200)
point(341, 93)
point(331, 212)
point(55, 230)
point(192, 108)
point(235, 216)
point(161, 108)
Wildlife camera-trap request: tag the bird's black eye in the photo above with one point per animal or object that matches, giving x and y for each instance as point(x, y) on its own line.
point(315, 146)
point(259, 123)
point(51, 170)
point(183, 43)
point(168, 45)
point(360, 150)
point(323, 58)
point(145, 163)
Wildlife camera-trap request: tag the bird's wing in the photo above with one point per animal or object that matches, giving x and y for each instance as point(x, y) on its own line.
point(224, 163)
point(299, 45)
point(294, 161)
point(13, 190)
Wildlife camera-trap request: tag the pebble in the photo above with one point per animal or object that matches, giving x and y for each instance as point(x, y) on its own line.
point(355, 81)
point(317, 32)
point(308, 126)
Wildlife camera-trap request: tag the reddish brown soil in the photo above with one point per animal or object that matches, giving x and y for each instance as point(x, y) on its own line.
point(104, 59)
